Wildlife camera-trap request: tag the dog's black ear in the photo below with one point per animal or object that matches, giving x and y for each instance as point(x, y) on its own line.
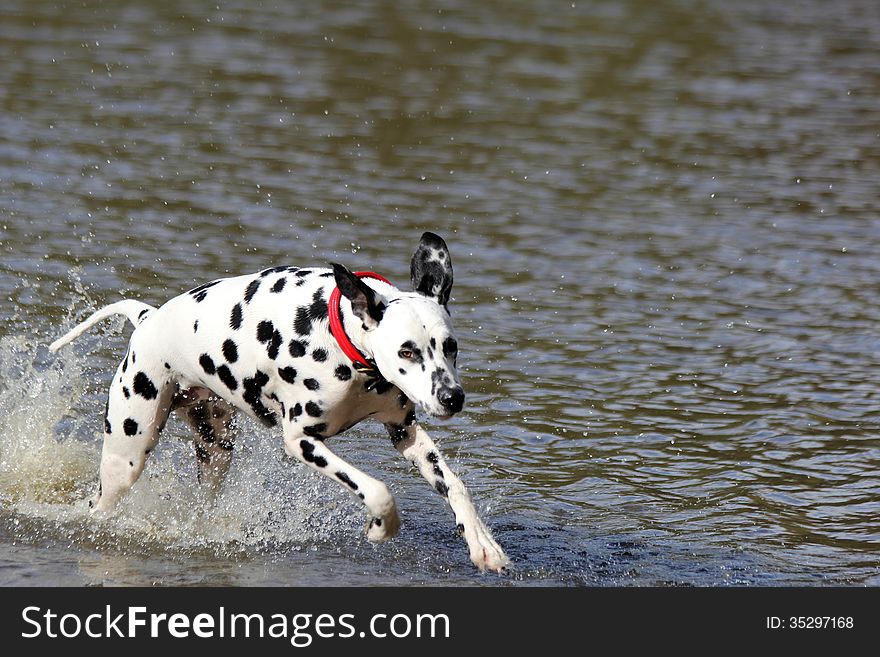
point(367, 304)
point(431, 269)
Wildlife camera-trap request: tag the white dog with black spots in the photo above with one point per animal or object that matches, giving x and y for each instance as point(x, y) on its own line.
point(263, 344)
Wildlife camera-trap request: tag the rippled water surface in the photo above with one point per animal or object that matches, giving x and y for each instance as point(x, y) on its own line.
point(664, 224)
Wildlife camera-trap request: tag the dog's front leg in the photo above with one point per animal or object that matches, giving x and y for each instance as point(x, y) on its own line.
point(414, 443)
point(383, 522)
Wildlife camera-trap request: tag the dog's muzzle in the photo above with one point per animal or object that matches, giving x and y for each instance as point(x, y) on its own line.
point(452, 399)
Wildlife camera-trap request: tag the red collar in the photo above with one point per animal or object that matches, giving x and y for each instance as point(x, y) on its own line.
point(337, 330)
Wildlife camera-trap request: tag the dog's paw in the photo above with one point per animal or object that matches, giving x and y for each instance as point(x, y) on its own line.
point(486, 553)
point(492, 558)
point(384, 527)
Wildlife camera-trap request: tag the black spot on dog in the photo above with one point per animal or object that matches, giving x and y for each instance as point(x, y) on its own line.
point(274, 345)
point(230, 351)
point(202, 454)
point(397, 432)
point(433, 457)
point(251, 290)
point(302, 323)
point(287, 374)
point(235, 317)
point(253, 390)
point(316, 430)
point(313, 409)
point(207, 364)
point(198, 415)
point(279, 285)
point(311, 384)
point(433, 343)
point(202, 288)
point(142, 313)
point(297, 348)
point(107, 428)
point(303, 272)
point(438, 377)
point(343, 373)
point(442, 488)
point(130, 427)
point(167, 366)
point(256, 382)
point(265, 329)
point(318, 309)
point(133, 358)
point(144, 387)
point(308, 452)
point(345, 479)
point(402, 371)
point(296, 411)
point(319, 355)
point(273, 270)
point(125, 392)
point(225, 375)
point(430, 277)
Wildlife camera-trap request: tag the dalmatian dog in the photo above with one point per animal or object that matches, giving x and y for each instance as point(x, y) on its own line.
point(313, 350)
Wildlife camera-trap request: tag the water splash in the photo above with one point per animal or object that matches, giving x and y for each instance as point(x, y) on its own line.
point(35, 466)
point(49, 459)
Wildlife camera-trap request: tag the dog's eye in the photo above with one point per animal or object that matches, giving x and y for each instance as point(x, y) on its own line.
point(406, 354)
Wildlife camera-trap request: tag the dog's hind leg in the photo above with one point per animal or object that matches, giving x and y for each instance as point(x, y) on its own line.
point(138, 405)
point(213, 438)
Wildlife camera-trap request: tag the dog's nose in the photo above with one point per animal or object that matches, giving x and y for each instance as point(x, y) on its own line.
point(452, 399)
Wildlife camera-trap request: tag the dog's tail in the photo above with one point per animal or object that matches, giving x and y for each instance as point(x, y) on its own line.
point(133, 310)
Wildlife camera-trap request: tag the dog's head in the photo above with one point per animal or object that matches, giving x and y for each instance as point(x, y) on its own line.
point(410, 334)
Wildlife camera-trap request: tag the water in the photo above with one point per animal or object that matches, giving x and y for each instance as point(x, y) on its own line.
point(663, 219)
